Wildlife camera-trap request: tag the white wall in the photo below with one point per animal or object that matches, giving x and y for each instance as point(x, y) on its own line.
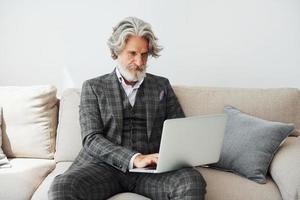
point(237, 43)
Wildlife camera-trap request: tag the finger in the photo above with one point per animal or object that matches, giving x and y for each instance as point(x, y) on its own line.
point(154, 160)
point(155, 155)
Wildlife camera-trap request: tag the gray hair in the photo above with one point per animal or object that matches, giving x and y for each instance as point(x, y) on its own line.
point(132, 26)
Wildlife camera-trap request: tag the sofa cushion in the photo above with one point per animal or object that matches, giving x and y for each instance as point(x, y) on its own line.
point(21, 180)
point(29, 121)
point(220, 185)
point(276, 104)
point(250, 144)
point(128, 196)
point(3, 159)
point(42, 190)
point(228, 186)
point(285, 167)
point(68, 142)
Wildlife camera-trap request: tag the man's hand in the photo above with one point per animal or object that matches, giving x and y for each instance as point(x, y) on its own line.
point(145, 160)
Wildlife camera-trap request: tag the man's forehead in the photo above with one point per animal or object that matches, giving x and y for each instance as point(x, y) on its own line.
point(136, 43)
point(137, 50)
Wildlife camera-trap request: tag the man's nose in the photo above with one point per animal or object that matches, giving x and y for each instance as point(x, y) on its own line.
point(139, 60)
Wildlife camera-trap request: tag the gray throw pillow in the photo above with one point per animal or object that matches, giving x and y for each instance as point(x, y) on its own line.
point(250, 144)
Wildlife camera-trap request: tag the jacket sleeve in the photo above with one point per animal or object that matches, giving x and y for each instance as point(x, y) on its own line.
point(174, 109)
point(93, 133)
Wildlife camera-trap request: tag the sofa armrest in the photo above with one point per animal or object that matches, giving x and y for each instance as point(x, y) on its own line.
point(285, 168)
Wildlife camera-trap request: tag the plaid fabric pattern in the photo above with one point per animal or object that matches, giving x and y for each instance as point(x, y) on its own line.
point(184, 184)
point(89, 181)
point(93, 181)
point(135, 123)
point(101, 118)
point(101, 168)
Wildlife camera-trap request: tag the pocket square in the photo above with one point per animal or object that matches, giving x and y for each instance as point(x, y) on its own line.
point(161, 95)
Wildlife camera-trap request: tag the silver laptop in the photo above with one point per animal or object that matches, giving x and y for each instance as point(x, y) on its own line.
point(188, 142)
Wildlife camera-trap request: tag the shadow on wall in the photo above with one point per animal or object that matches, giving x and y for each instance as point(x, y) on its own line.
point(73, 76)
point(67, 81)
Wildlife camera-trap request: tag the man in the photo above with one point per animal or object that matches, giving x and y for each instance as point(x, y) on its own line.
point(121, 118)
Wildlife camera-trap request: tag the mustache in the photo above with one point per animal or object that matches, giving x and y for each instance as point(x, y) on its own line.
point(136, 67)
point(133, 72)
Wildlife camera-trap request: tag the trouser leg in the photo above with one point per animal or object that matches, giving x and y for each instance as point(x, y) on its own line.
point(89, 181)
point(184, 184)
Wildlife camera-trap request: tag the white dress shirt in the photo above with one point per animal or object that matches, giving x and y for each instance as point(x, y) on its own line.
point(129, 90)
point(131, 94)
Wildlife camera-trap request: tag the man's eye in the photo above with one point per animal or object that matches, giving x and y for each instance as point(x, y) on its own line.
point(132, 53)
point(145, 55)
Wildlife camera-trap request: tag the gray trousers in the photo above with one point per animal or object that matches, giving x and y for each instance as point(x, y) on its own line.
point(94, 181)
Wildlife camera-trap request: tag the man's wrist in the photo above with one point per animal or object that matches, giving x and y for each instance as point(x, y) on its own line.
point(131, 161)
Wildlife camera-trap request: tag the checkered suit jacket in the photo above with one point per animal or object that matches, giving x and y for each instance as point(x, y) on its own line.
point(101, 118)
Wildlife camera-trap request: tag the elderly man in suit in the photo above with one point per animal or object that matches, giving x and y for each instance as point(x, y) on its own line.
point(121, 117)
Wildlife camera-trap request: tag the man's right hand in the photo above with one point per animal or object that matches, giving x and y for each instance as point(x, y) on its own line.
point(145, 160)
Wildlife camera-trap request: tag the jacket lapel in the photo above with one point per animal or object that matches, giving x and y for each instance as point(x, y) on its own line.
point(113, 95)
point(151, 93)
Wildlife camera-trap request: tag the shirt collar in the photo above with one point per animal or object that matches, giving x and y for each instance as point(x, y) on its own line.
point(122, 81)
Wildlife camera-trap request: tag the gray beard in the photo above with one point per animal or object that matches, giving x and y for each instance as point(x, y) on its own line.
point(129, 76)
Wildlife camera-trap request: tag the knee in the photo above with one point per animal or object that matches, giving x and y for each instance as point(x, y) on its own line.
point(62, 187)
point(188, 184)
point(192, 179)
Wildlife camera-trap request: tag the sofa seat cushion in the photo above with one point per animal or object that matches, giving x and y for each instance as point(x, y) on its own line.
point(61, 167)
point(22, 179)
point(229, 186)
point(285, 168)
point(42, 191)
point(128, 196)
point(220, 185)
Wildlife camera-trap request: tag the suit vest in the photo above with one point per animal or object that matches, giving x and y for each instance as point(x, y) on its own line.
point(134, 134)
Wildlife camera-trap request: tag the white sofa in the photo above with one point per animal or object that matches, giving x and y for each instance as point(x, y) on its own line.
point(30, 116)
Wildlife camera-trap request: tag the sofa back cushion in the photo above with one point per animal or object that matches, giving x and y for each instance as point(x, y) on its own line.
point(276, 104)
point(270, 104)
point(3, 159)
point(68, 142)
point(29, 121)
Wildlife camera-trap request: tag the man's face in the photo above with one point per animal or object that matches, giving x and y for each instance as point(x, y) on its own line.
point(133, 58)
